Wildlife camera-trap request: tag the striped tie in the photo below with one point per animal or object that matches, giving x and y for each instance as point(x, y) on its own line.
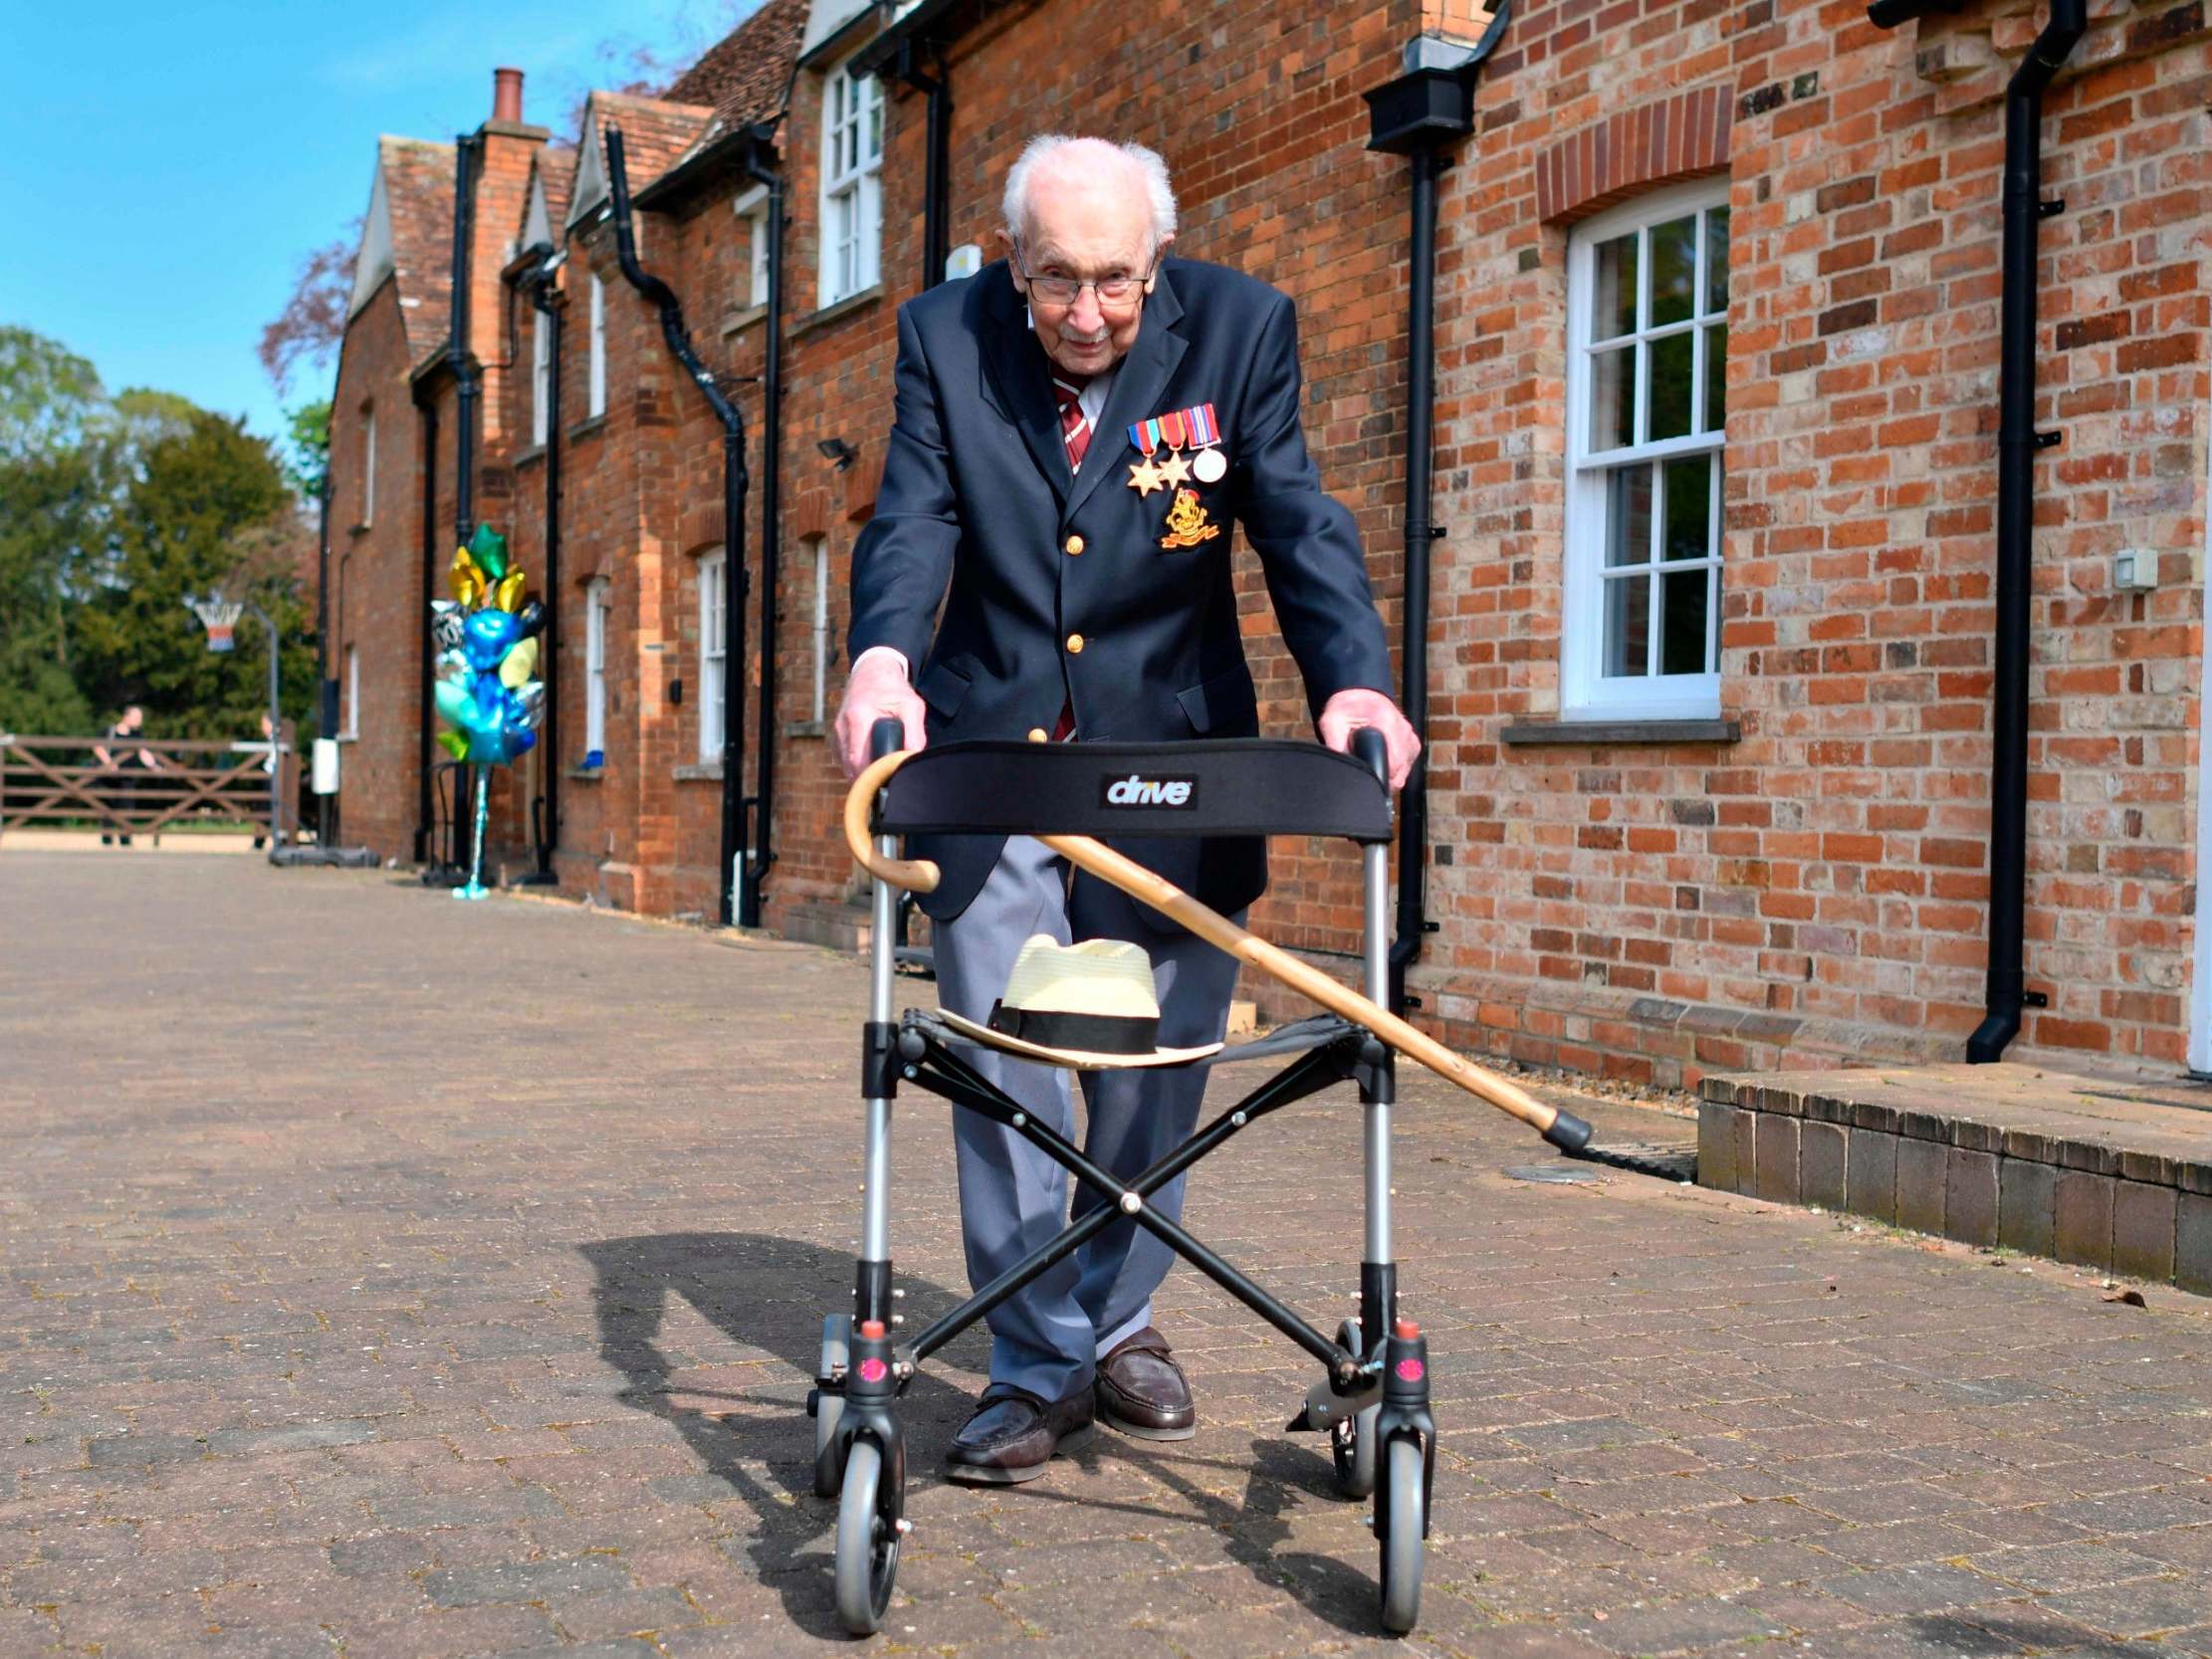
point(1075, 431)
point(1075, 427)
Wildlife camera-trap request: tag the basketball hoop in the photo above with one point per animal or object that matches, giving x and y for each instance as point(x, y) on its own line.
point(218, 616)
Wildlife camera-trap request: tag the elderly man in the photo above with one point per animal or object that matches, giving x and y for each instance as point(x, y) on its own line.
point(1075, 428)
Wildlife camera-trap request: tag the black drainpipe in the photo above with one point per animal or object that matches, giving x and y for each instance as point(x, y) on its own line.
point(1418, 115)
point(2016, 442)
point(737, 578)
point(772, 507)
point(936, 161)
point(544, 298)
point(458, 356)
point(425, 831)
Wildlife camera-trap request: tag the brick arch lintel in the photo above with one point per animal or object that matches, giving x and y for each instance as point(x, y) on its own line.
point(1673, 138)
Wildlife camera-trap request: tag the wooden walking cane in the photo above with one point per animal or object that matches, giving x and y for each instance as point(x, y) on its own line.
point(1562, 1129)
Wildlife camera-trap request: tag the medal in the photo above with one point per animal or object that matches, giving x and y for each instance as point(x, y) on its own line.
point(1195, 429)
point(1210, 464)
point(1145, 478)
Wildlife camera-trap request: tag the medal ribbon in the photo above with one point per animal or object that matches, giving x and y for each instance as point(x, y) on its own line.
point(1182, 429)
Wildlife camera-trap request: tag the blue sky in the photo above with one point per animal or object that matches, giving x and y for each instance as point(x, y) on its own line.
point(163, 167)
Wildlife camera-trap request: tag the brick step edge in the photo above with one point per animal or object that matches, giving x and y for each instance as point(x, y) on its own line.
point(2083, 1202)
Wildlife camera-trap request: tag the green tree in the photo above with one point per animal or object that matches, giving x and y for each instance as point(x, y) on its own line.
point(51, 490)
point(308, 447)
point(205, 505)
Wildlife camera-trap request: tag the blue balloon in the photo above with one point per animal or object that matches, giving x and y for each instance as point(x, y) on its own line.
point(489, 634)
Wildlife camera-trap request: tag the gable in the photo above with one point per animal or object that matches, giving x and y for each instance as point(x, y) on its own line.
point(373, 263)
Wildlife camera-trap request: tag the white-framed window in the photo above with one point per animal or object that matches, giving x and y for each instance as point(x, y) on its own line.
point(599, 610)
point(820, 562)
point(752, 209)
point(853, 172)
point(714, 652)
point(596, 378)
point(368, 463)
point(1647, 391)
point(350, 711)
point(541, 375)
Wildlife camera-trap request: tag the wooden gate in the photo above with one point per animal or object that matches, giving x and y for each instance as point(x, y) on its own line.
point(62, 781)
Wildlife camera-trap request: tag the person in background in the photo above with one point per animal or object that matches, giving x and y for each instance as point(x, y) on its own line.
point(135, 761)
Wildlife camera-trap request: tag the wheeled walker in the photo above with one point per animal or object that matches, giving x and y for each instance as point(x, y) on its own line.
point(1372, 1398)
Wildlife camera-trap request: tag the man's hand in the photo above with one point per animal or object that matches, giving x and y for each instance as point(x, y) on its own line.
point(877, 690)
point(1348, 710)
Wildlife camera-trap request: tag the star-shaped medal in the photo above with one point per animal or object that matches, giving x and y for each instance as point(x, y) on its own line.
point(1175, 472)
point(1145, 478)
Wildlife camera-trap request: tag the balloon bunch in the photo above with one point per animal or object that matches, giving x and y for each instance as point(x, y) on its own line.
point(486, 639)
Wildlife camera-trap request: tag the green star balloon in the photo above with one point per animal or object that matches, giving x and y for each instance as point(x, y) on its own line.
point(489, 548)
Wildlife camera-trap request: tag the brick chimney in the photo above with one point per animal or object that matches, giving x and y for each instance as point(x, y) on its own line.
point(507, 146)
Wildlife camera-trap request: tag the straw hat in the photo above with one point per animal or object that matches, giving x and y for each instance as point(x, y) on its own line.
point(1090, 1007)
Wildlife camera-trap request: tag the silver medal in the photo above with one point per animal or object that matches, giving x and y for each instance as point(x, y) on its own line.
point(1210, 464)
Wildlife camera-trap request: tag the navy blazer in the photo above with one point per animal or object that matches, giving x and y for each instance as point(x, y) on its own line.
point(979, 509)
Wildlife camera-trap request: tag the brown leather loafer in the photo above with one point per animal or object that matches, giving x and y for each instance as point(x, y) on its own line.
point(1141, 1389)
point(1013, 1435)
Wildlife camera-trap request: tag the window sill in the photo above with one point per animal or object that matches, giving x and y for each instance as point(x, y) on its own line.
point(588, 428)
point(845, 307)
point(346, 737)
point(703, 771)
point(588, 775)
point(530, 456)
point(738, 322)
point(806, 728)
point(358, 530)
point(1531, 733)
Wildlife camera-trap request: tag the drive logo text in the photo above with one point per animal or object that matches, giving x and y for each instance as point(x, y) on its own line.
point(1135, 791)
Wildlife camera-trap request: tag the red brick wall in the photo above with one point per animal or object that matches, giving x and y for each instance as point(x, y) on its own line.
point(1818, 889)
point(377, 565)
point(1814, 890)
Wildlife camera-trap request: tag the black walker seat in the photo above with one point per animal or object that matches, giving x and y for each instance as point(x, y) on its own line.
point(1373, 1397)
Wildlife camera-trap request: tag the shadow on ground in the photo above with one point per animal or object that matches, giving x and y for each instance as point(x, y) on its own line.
point(768, 1293)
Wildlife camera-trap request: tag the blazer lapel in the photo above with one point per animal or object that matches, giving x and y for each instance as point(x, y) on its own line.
point(1015, 363)
point(1142, 377)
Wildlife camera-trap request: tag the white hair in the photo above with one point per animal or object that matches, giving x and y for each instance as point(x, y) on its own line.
point(1047, 146)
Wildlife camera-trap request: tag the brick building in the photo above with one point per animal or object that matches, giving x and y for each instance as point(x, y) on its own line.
point(1711, 614)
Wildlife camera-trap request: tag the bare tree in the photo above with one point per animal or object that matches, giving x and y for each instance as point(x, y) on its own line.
point(306, 334)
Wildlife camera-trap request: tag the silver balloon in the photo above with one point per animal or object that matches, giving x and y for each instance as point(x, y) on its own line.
point(529, 699)
point(446, 623)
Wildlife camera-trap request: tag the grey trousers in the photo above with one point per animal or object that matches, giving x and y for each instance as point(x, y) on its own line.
point(1012, 1198)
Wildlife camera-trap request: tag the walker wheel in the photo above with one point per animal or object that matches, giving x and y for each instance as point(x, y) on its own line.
point(868, 1541)
point(1402, 1539)
point(1352, 1443)
point(829, 1408)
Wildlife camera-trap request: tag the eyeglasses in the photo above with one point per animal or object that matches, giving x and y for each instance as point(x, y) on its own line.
point(1061, 291)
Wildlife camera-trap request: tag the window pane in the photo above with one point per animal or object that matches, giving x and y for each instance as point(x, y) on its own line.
point(1682, 628)
point(1674, 270)
point(875, 128)
point(1717, 378)
point(1628, 626)
point(1628, 516)
point(1612, 398)
point(1717, 259)
point(1669, 411)
point(1613, 306)
point(1689, 507)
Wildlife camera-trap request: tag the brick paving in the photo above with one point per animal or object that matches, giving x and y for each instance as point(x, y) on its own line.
point(387, 1276)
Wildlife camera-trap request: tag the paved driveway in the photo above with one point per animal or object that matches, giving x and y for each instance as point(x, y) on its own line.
point(388, 1276)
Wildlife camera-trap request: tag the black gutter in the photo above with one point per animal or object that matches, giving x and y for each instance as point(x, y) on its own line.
point(771, 508)
point(1418, 115)
point(544, 299)
point(1887, 14)
point(2016, 442)
point(736, 577)
point(937, 167)
point(426, 405)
